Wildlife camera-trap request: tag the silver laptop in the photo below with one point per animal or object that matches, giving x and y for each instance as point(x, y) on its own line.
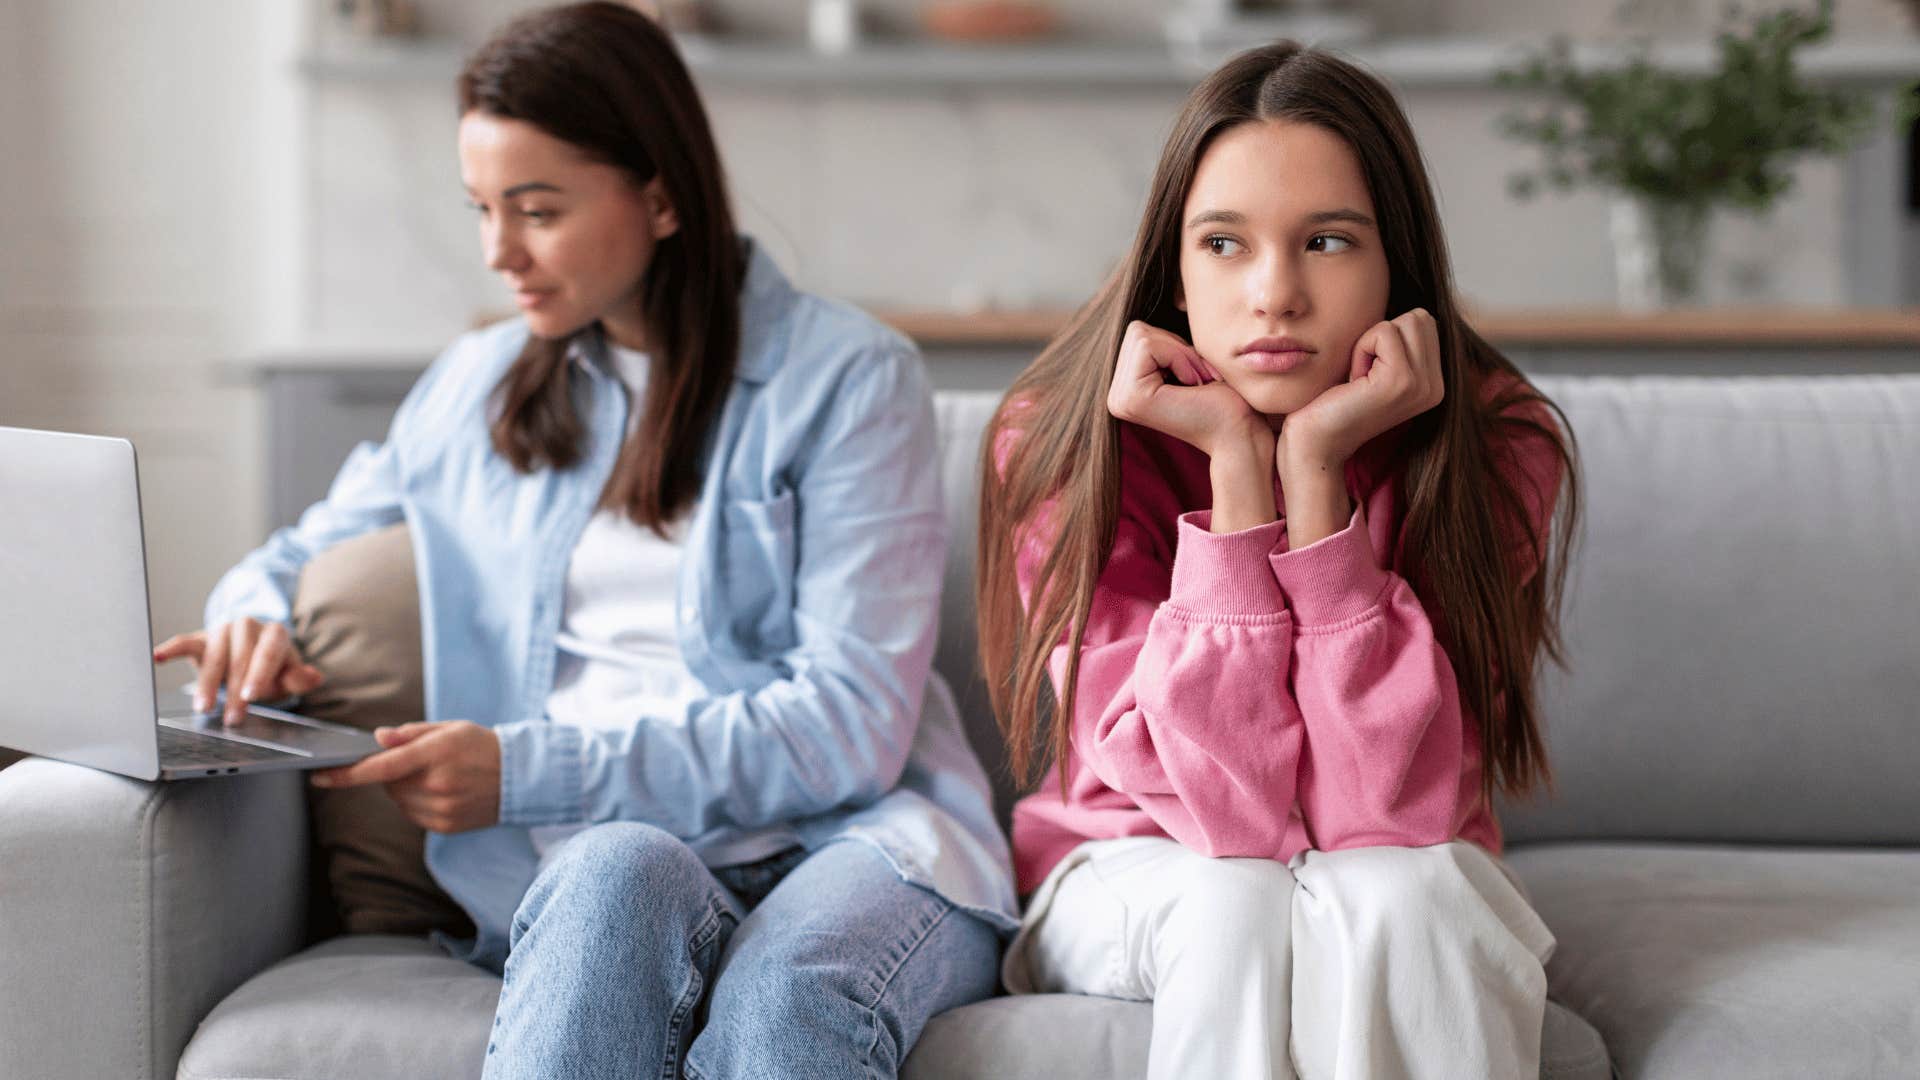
point(76, 651)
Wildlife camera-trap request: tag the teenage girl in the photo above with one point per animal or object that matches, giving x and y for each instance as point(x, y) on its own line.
point(1268, 557)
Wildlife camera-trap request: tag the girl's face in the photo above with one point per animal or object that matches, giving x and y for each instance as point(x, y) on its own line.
point(573, 237)
point(1281, 266)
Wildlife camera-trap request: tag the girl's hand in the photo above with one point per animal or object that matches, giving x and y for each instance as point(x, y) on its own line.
point(1201, 410)
point(1393, 376)
point(444, 776)
point(255, 659)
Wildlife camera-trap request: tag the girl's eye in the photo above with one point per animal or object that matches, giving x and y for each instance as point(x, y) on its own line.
point(478, 208)
point(1329, 242)
point(538, 217)
point(1223, 245)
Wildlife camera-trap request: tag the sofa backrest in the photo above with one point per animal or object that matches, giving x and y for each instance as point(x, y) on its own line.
point(1743, 613)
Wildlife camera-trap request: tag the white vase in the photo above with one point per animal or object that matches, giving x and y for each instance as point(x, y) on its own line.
point(1658, 251)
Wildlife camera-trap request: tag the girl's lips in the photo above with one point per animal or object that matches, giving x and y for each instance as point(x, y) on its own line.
point(529, 299)
point(1275, 362)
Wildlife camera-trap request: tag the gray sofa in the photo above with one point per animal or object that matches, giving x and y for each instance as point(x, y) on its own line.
point(1732, 864)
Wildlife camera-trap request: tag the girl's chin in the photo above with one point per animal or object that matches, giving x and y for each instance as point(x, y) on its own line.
point(1275, 402)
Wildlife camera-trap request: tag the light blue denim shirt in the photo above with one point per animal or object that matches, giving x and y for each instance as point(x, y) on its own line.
point(808, 602)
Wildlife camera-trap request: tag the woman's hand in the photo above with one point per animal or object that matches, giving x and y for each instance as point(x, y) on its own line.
point(256, 660)
point(1393, 376)
point(444, 776)
point(1200, 410)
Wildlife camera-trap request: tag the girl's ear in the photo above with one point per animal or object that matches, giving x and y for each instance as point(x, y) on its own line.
point(660, 212)
point(1180, 297)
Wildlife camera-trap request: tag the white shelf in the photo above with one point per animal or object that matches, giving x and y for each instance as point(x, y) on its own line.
point(890, 66)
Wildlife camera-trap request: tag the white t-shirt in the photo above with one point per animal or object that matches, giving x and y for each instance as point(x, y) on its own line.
point(620, 659)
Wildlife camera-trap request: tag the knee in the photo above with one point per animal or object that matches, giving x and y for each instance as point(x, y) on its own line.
point(619, 868)
point(1397, 891)
point(1233, 906)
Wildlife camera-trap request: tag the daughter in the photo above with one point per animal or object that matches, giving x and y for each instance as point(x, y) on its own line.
point(1271, 524)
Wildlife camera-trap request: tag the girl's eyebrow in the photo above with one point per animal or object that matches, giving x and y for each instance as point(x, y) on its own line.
point(1222, 217)
point(1318, 217)
point(1351, 217)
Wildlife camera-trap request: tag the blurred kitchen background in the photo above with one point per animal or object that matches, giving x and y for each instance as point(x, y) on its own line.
point(234, 229)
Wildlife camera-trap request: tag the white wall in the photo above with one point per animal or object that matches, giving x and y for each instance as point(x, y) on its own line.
point(956, 196)
point(125, 230)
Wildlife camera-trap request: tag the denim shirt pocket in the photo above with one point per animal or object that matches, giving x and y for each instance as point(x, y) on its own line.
point(758, 560)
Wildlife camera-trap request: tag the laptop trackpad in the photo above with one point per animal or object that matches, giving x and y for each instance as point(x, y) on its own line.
point(282, 731)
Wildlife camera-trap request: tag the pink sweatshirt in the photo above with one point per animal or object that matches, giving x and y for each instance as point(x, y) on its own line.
point(1249, 700)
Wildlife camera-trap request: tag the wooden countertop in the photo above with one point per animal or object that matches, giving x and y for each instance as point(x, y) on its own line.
point(1717, 327)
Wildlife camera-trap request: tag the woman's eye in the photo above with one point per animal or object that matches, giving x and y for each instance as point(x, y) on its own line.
point(538, 217)
point(1222, 245)
point(478, 208)
point(1329, 242)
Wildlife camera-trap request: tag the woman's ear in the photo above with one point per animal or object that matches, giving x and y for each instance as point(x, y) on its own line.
point(660, 212)
point(1180, 297)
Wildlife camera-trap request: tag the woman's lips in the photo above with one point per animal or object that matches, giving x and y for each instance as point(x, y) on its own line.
point(1275, 361)
point(528, 299)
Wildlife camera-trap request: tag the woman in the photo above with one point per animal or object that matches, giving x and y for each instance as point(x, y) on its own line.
point(678, 536)
point(1271, 524)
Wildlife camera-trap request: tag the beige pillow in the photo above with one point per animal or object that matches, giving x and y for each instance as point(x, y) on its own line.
point(357, 618)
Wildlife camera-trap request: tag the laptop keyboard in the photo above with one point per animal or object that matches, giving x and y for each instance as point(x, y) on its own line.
point(187, 750)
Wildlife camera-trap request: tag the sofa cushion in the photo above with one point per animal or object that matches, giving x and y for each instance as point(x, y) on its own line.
point(365, 1006)
point(962, 417)
point(379, 1007)
point(1741, 614)
point(1699, 962)
point(357, 618)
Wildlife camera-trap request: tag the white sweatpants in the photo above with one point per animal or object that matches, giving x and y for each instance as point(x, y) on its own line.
point(1370, 963)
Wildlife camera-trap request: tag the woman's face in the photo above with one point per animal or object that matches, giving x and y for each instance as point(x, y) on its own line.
point(1281, 266)
point(573, 237)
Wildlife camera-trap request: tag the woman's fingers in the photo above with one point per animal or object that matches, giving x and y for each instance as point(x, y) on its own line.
point(254, 660)
point(241, 637)
point(213, 668)
point(181, 646)
point(300, 677)
point(271, 654)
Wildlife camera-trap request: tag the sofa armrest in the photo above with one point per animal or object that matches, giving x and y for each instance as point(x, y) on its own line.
point(128, 910)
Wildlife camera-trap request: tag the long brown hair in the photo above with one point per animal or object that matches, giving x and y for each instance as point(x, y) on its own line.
point(606, 79)
point(1053, 450)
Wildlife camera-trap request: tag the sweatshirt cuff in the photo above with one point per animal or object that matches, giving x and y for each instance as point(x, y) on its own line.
point(1334, 578)
point(539, 773)
point(1225, 573)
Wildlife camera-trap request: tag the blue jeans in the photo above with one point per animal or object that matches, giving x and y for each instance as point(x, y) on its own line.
point(630, 958)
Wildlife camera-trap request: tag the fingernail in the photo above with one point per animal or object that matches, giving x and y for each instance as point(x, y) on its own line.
point(249, 692)
point(200, 703)
point(322, 781)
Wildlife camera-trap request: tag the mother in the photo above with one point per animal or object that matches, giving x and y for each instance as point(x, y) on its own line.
point(679, 542)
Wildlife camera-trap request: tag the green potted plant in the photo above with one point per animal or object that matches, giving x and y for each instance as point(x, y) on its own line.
point(1672, 146)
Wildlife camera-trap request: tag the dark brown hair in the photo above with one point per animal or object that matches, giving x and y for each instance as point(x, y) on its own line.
point(1463, 510)
point(606, 79)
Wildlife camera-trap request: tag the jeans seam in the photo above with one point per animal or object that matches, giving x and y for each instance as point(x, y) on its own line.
point(690, 1000)
point(873, 1009)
